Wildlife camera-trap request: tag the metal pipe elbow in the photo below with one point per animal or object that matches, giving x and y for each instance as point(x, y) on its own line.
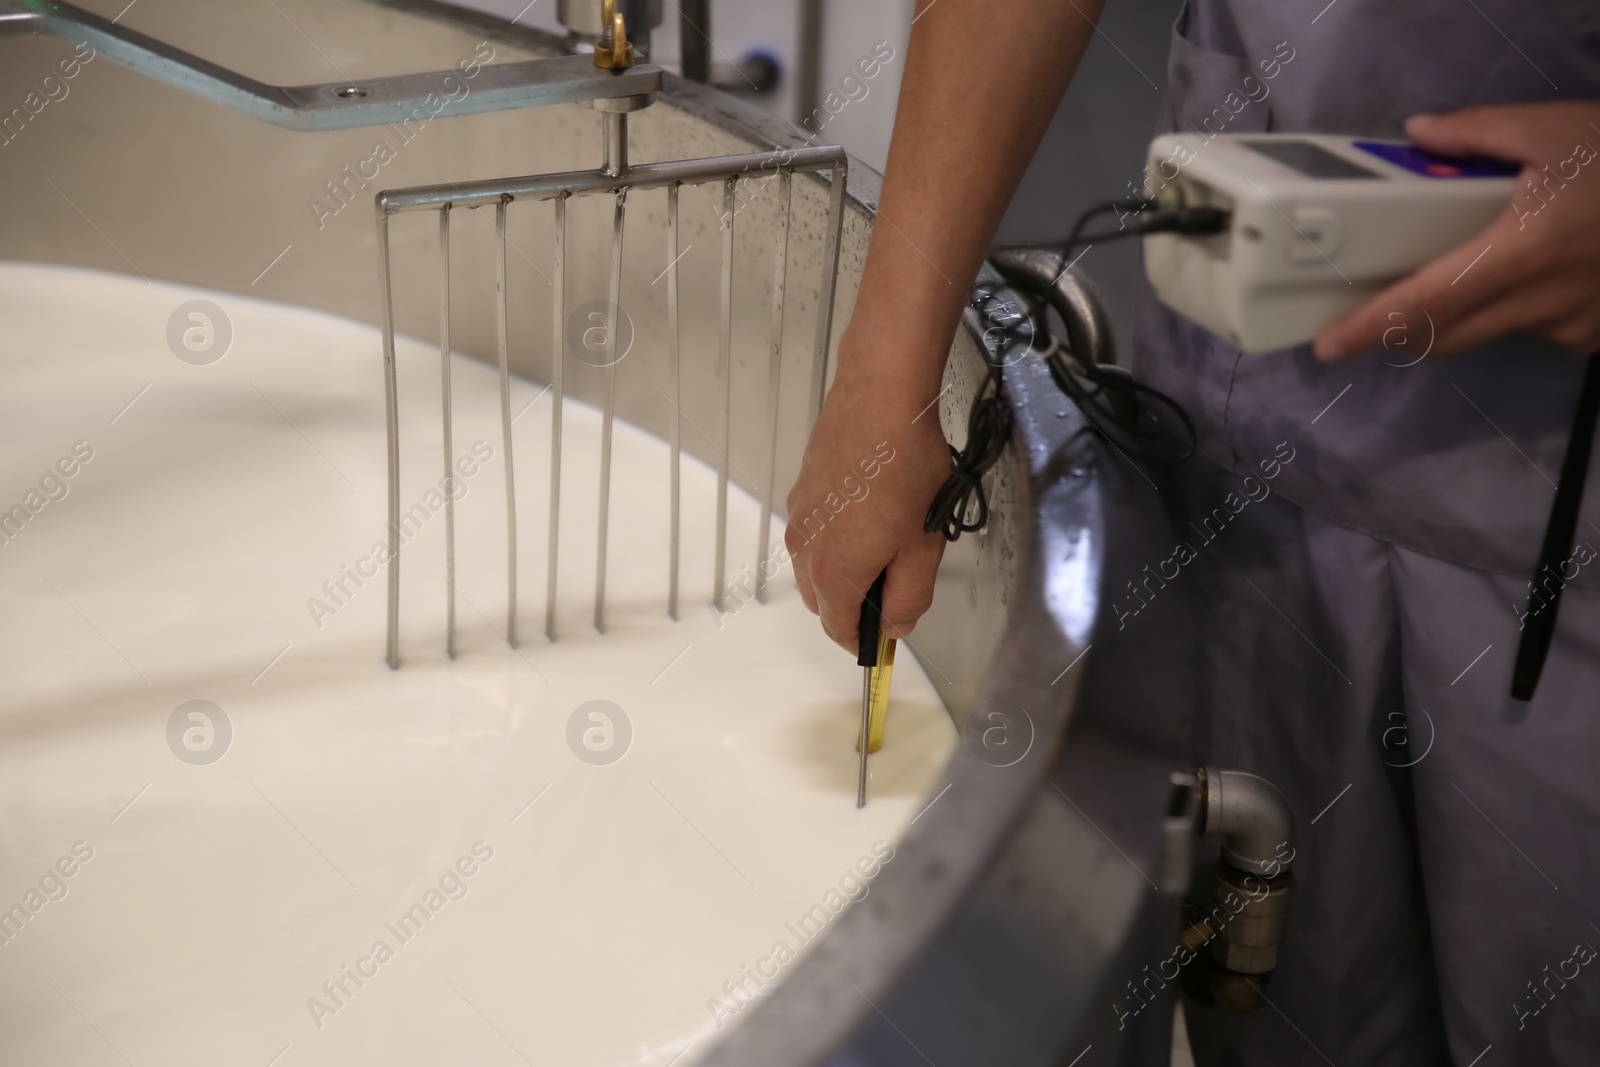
point(1251, 816)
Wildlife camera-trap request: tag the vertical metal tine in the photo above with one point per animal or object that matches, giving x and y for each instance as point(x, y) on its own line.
point(675, 376)
point(557, 399)
point(725, 367)
point(608, 418)
point(392, 434)
point(830, 276)
point(449, 445)
point(616, 177)
point(774, 377)
point(505, 418)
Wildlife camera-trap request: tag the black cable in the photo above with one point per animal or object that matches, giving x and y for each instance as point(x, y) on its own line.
point(1193, 221)
point(1557, 547)
point(988, 430)
point(1190, 221)
point(1135, 417)
point(1142, 421)
point(1136, 204)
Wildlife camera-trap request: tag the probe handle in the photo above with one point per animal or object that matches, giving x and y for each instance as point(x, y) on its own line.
point(871, 620)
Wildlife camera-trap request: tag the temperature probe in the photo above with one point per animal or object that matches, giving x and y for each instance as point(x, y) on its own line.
point(875, 656)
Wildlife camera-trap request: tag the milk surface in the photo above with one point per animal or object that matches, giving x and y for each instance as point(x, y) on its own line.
point(348, 864)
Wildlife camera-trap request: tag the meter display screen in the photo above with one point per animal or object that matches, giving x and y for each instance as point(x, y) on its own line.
point(1308, 158)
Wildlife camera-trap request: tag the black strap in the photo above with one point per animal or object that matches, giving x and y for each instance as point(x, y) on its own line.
point(1558, 533)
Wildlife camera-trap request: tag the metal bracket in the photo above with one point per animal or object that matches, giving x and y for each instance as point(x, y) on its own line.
point(1074, 296)
point(335, 105)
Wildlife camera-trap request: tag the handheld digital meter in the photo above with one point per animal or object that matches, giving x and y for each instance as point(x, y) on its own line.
point(1318, 225)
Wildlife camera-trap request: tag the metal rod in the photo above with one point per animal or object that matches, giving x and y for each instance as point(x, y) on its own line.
point(725, 368)
point(449, 445)
point(505, 419)
point(639, 176)
point(866, 720)
point(614, 327)
point(675, 383)
point(332, 106)
point(392, 434)
point(830, 277)
point(616, 177)
point(557, 398)
point(616, 144)
point(774, 379)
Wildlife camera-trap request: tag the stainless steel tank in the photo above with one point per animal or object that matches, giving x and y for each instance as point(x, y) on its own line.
point(1046, 870)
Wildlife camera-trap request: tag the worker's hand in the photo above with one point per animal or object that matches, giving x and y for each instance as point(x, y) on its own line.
point(876, 458)
point(960, 146)
point(1536, 269)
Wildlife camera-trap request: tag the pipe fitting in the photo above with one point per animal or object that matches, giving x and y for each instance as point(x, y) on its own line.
point(1251, 886)
point(1260, 907)
point(1251, 816)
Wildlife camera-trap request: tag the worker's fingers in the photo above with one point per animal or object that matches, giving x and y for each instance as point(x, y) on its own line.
point(908, 593)
point(795, 541)
point(841, 581)
point(1531, 272)
point(862, 493)
point(1494, 319)
point(1535, 269)
point(1501, 132)
point(1435, 300)
point(1562, 310)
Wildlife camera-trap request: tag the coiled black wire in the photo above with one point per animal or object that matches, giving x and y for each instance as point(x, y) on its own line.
point(961, 505)
point(1134, 417)
point(1140, 420)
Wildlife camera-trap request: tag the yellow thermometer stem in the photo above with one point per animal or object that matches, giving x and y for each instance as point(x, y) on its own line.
point(878, 694)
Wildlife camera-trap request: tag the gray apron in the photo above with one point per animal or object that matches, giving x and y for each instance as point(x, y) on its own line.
point(1444, 899)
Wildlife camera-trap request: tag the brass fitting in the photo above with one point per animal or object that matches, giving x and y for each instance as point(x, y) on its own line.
point(1251, 886)
point(613, 51)
point(1249, 940)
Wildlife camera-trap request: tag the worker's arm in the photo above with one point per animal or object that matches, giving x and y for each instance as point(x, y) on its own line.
point(982, 80)
point(1536, 269)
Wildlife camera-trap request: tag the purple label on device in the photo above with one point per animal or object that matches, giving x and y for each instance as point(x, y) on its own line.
point(1432, 165)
